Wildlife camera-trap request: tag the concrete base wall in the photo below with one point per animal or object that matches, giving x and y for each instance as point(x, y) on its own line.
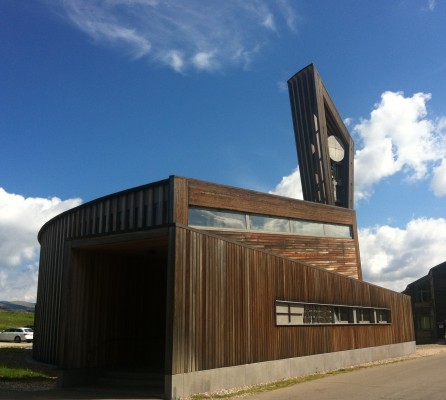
point(183, 385)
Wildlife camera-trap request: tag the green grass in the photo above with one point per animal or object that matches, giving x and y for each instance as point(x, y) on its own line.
point(15, 365)
point(14, 319)
point(8, 373)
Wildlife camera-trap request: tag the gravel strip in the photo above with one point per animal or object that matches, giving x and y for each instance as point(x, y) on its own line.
point(28, 386)
point(23, 345)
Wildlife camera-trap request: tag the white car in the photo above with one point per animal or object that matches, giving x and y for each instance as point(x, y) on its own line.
point(17, 335)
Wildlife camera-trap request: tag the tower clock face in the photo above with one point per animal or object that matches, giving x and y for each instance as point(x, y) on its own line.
point(335, 149)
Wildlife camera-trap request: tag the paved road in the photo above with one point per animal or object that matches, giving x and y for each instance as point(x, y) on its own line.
point(418, 379)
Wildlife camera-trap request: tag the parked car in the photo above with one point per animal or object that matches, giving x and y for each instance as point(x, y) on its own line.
point(17, 335)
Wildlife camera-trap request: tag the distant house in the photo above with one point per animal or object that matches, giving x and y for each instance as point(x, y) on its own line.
point(428, 296)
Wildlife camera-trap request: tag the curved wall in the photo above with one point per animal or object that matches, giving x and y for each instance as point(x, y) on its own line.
point(131, 211)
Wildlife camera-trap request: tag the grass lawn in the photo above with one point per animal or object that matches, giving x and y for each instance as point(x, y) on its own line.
point(15, 319)
point(20, 373)
point(16, 364)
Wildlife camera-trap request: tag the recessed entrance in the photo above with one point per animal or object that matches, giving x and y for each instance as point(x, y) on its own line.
point(117, 311)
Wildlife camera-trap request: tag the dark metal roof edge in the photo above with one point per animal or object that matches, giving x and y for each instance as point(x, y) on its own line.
point(97, 200)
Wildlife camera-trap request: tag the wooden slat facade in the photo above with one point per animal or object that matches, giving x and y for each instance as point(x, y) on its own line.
point(207, 298)
point(224, 306)
point(110, 289)
point(135, 210)
point(315, 118)
point(205, 194)
point(333, 254)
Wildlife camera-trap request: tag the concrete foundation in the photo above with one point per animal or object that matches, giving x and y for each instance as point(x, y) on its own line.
point(184, 385)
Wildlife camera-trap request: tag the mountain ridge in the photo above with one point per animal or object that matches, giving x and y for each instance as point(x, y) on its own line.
point(17, 305)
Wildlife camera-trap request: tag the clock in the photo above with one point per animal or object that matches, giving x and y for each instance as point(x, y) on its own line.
point(335, 148)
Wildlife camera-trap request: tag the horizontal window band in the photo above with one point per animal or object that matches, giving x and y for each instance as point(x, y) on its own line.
point(289, 313)
point(221, 219)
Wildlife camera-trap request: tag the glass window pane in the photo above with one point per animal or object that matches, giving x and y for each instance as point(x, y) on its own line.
point(425, 322)
point(343, 315)
point(260, 223)
point(297, 309)
point(307, 228)
point(337, 230)
point(382, 316)
point(317, 314)
point(365, 315)
point(281, 308)
point(216, 219)
point(297, 319)
point(282, 319)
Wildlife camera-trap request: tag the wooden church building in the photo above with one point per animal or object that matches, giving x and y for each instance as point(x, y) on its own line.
point(208, 287)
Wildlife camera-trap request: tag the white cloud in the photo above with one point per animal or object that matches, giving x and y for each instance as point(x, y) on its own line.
point(348, 122)
point(290, 186)
point(431, 5)
point(19, 284)
point(438, 183)
point(288, 13)
point(95, 21)
point(394, 257)
point(174, 59)
point(398, 137)
point(268, 22)
point(20, 220)
point(205, 61)
point(204, 35)
point(282, 86)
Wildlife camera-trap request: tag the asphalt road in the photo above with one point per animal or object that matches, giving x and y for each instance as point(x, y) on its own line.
point(417, 379)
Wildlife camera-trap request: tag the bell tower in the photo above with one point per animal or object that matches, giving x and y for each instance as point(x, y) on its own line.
point(324, 146)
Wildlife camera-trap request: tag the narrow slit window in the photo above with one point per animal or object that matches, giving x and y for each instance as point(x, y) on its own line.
point(290, 313)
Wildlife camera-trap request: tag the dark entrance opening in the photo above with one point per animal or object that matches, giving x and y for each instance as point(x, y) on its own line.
point(117, 315)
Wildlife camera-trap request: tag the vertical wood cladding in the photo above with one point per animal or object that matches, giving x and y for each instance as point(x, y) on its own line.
point(224, 306)
point(217, 294)
point(315, 118)
point(129, 211)
point(111, 290)
point(333, 254)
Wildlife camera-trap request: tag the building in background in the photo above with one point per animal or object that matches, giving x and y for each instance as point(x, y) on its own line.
point(428, 297)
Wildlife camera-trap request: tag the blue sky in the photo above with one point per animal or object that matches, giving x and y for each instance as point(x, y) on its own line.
point(100, 96)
